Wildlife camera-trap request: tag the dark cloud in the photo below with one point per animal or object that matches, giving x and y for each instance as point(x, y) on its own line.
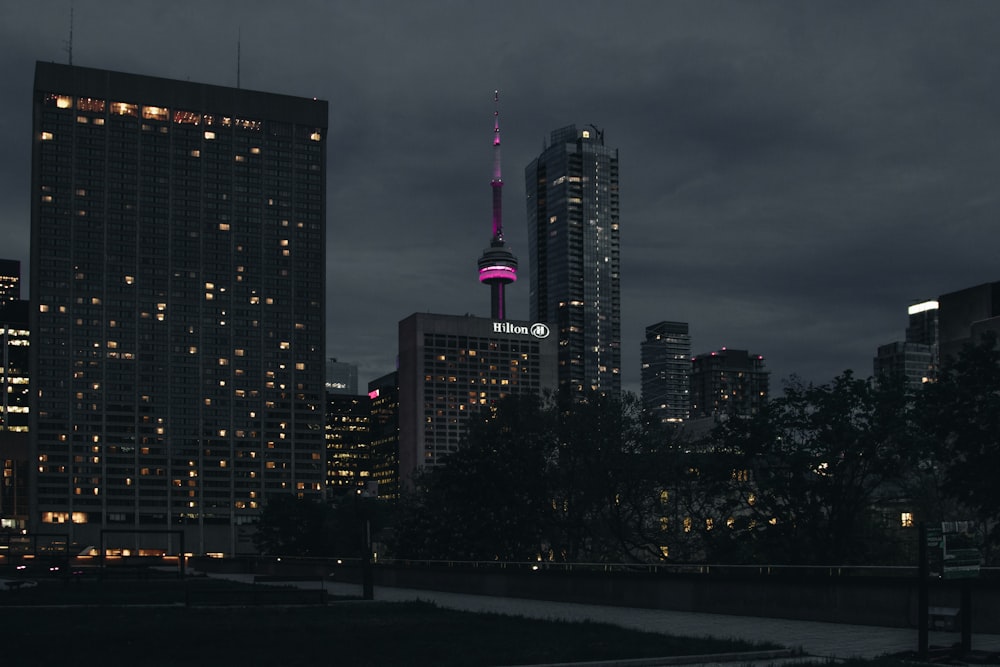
point(793, 174)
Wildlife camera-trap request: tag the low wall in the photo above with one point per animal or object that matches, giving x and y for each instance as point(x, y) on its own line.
point(839, 595)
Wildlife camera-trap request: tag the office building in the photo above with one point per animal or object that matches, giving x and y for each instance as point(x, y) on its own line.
point(574, 249)
point(341, 377)
point(916, 358)
point(728, 383)
point(666, 372)
point(177, 272)
point(965, 315)
point(10, 280)
point(901, 359)
point(454, 366)
point(348, 439)
point(15, 340)
point(383, 397)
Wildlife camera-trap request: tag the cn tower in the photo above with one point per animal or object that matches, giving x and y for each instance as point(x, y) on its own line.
point(497, 266)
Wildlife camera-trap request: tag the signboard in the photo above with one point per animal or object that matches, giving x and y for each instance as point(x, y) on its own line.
point(961, 563)
point(538, 329)
point(955, 541)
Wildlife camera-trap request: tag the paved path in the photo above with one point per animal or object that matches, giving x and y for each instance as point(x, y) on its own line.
point(829, 640)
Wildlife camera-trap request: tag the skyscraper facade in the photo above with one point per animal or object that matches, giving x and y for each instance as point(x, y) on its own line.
point(728, 383)
point(915, 359)
point(178, 268)
point(10, 280)
point(15, 345)
point(574, 249)
point(383, 441)
point(348, 440)
point(666, 372)
point(964, 316)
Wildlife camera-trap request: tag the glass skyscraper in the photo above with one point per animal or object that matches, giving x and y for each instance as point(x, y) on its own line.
point(574, 249)
point(177, 283)
point(666, 372)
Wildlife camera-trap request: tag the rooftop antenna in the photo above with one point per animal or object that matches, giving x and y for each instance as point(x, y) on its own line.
point(69, 44)
point(497, 266)
point(239, 40)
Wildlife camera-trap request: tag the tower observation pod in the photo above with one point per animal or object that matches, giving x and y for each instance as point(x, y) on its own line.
point(497, 265)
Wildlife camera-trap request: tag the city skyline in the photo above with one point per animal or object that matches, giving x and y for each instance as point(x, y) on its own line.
point(792, 176)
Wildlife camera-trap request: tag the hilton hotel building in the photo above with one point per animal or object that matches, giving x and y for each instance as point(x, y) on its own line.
point(452, 366)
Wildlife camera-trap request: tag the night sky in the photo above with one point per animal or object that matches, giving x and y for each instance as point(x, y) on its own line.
point(793, 174)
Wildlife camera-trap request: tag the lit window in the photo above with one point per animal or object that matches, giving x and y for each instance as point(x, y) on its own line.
point(155, 113)
point(124, 109)
point(46, 136)
point(209, 134)
point(906, 520)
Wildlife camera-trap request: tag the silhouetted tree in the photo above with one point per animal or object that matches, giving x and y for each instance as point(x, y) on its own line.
point(540, 478)
point(961, 417)
point(489, 499)
point(807, 475)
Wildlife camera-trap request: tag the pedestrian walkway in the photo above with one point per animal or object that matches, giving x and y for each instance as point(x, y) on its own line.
point(826, 640)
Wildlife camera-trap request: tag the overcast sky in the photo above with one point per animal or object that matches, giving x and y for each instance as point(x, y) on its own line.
point(793, 174)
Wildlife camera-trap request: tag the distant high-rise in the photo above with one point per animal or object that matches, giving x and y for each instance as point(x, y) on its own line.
point(916, 358)
point(965, 315)
point(348, 436)
point(15, 459)
point(727, 382)
point(666, 372)
point(383, 441)
point(10, 280)
point(574, 246)
point(177, 272)
point(341, 377)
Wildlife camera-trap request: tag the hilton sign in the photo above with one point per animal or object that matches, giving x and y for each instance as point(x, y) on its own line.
point(538, 330)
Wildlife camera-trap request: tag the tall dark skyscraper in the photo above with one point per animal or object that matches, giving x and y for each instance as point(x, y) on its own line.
point(666, 372)
point(177, 281)
point(574, 245)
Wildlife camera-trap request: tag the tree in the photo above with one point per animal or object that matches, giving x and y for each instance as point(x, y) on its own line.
point(540, 478)
point(961, 416)
point(489, 499)
point(807, 475)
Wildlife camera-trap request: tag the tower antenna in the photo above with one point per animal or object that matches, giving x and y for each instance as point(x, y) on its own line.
point(69, 44)
point(497, 266)
point(239, 41)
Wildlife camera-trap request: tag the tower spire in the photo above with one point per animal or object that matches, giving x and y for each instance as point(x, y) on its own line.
point(497, 182)
point(497, 266)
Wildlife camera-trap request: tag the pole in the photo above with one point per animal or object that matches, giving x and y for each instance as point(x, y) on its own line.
point(367, 579)
point(966, 615)
point(923, 607)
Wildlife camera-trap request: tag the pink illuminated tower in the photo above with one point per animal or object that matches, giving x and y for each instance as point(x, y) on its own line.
point(497, 266)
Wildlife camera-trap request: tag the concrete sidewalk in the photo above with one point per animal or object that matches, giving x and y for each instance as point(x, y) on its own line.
point(827, 640)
